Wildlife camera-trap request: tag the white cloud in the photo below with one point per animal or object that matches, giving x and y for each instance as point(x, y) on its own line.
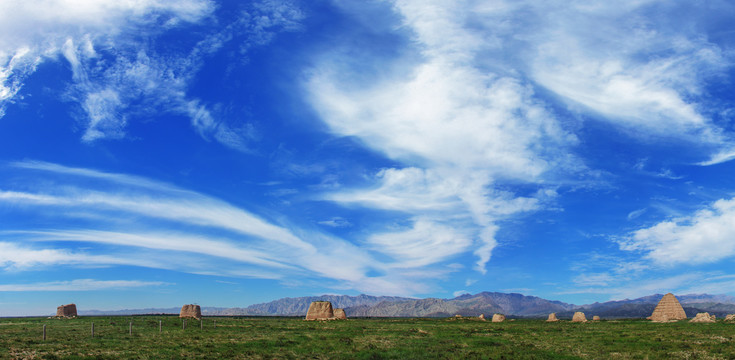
point(336, 222)
point(642, 66)
point(117, 77)
point(15, 258)
point(458, 128)
point(447, 115)
point(636, 213)
point(117, 217)
point(81, 285)
point(168, 241)
point(36, 31)
point(424, 244)
point(196, 210)
point(703, 237)
point(461, 115)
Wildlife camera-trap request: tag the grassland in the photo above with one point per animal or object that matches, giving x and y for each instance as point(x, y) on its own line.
point(284, 338)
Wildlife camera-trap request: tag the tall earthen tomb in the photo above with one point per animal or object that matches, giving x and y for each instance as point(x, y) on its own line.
point(191, 311)
point(67, 311)
point(322, 310)
point(668, 309)
point(579, 317)
point(339, 314)
point(552, 317)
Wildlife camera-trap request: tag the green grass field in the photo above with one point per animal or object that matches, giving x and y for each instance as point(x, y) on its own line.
point(282, 338)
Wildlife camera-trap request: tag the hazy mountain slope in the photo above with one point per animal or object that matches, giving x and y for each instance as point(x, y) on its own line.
point(299, 306)
point(466, 305)
point(516, 304)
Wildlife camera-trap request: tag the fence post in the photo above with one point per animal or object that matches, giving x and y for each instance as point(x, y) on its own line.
point(131, 327)
point(160, 326)
point(44, 332)
point(215, 324)
point(183, 325)
point(92, 329)
point(201, 324)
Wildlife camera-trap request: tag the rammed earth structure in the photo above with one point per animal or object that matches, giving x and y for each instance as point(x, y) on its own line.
point(668, 309)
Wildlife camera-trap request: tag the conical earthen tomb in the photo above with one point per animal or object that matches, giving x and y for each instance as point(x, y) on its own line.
point(668, 309)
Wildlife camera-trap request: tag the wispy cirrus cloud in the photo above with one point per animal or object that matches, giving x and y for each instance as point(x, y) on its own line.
point(36, 32)
point(631, 65)
point(483, 102)
point(458, 128)
point(15, 257)
point(118, 76)
point(108, 219)
point(81, 285)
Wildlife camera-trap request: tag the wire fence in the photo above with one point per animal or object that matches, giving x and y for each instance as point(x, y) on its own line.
point(56, 329)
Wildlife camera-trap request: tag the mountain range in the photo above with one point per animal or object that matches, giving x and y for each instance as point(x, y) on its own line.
point(513, 305)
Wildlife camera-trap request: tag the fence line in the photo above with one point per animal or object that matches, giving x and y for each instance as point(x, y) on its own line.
point(94, 331)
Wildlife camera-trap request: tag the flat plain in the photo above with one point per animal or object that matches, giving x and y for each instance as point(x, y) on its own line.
point(387, 338)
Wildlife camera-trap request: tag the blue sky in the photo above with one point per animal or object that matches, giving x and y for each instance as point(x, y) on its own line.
point(155, 153)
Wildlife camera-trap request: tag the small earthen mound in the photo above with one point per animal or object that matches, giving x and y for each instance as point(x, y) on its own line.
point(703, 318)
point(320, 310)
point(498, 317)
point(482, 317)
point(579, 317)
point(730, 317)
point(67, 311)
point(595, 318)
point(668, 309)
point(552, 318)
point(339, 314)
point(191, 311)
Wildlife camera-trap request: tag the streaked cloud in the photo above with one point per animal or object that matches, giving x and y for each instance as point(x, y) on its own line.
point(464, 119)
point(81, 285)
point(15, 257)
point(140, 222)
point(458, 128)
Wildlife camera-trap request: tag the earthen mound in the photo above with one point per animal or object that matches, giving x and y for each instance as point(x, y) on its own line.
point(498, 317)
point(668, 309)
point(595, 318)
point(730, 317)
point(191, 311)
point(67, 311)
point(579, 317)
point(552, 317)
point(320, 310)
point(339, 314)
point(482, 317)
point(703, 318)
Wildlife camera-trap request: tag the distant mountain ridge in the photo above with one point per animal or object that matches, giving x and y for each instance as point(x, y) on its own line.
point(465, 305)
point(299, 306)
point(510, 304)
